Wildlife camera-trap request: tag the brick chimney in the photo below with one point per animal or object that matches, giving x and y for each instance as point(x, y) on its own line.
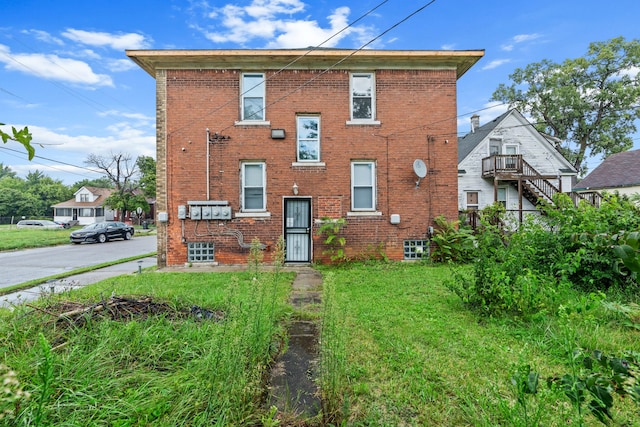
point(475, 122)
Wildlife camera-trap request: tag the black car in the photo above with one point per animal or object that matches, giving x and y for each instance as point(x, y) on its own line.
point(102, 231)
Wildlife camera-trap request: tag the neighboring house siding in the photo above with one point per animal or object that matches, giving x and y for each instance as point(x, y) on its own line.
point(513, 130)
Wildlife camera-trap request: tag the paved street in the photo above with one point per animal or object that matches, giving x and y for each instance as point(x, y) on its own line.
point(30, 264)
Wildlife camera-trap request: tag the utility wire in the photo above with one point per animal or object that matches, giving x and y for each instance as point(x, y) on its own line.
point(53, 160)
point(346, 57)
point(370, 11)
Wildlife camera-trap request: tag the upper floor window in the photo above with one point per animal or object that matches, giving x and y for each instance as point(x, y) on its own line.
point(84, 197)
point(253, 186)
point(363, 186)
point(252, 96)
point(308, 138)
point(363, 105)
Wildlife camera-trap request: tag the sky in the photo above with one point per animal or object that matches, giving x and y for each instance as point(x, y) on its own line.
point(65, 75)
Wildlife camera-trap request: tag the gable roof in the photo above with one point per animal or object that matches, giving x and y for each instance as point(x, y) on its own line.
point(467, 143)
point(617, 170)
point(102, 194)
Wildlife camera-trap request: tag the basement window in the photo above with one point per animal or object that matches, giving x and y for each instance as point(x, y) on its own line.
point(200, 252)
point(416, 249)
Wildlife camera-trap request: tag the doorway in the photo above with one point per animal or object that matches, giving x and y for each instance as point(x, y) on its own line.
point(297, 229)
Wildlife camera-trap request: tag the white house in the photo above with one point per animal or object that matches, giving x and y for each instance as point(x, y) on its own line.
point(508, 161)
point(87, 207)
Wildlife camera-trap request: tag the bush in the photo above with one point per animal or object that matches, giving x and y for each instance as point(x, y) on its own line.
point(452, 243)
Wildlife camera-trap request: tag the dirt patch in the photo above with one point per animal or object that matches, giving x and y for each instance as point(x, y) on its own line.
point(123, 308)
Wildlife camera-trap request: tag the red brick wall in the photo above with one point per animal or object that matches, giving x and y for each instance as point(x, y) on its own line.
point(417, 111)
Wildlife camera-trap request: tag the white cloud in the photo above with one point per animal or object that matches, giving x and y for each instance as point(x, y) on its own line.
point(450, 46)
point(520, 38)
point(308, 33)
point(122, 138)
point(102, 39)
point(53, 67)
point(488, 112)
point(525, 37)
point(44, 37)
point(631, 72)
point(271, 20)
point(117, 65)
point(495, 64)
point(141, 119)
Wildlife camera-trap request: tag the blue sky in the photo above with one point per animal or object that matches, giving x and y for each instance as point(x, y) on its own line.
point(64, 72)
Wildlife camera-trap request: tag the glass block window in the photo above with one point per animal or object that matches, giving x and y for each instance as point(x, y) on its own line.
point(200, 252)
point(416, 249)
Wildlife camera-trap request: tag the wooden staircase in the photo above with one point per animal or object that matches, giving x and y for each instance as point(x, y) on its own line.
point(535, 186)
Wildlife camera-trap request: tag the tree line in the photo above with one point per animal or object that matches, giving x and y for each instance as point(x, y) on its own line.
point(133, 183)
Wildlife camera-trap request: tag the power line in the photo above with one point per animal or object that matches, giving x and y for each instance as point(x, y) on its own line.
point(52, 160)
point(346, 57)
point(370, 11)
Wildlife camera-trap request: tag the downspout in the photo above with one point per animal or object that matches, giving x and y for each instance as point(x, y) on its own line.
point(207, 169)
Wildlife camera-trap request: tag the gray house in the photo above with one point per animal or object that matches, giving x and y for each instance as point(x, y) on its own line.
point(508, 161)
point(619, 172)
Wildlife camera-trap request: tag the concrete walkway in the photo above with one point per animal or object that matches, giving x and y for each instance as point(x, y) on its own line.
point(293, 388)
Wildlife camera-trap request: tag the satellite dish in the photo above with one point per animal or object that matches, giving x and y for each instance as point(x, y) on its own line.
point(420, 169)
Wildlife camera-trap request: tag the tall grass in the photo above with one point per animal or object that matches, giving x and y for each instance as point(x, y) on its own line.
point(415, 354)
point(158, 371)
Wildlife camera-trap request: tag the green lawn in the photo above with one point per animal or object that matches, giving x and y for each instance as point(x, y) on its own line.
point(12, 238)
point(398, 349)
point(403, 350)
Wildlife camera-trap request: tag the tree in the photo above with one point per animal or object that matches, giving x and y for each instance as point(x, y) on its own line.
point(99, 183)
point(590, 103)
point(147, 182)
point(6, 171)
point(120, 170)
point(46, 191)
point(23, 136)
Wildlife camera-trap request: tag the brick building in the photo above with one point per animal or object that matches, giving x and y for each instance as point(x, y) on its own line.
point(263, 143)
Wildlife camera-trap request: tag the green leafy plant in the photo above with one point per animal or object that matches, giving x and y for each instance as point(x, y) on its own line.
point(451, 243)
point(525, 382)
point(599, 378)
point(628, 250)
point(335, 242)
point(45, 377)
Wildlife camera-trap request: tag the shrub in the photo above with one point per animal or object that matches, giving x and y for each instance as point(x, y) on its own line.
point(452, 244)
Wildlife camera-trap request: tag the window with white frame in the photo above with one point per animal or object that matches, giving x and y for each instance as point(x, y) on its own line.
point(253, 96)
point(253, 187)
point(472, 200)
point(363, 103)
point(308, 137)
point(363, 186)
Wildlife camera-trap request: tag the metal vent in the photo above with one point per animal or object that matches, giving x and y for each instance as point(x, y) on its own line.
point(200, 252)
point(416, 249)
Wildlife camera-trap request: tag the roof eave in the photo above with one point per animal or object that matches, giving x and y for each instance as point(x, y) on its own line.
point(153, 60)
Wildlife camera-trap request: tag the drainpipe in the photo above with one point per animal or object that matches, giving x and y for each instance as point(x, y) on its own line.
point(208, 198)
